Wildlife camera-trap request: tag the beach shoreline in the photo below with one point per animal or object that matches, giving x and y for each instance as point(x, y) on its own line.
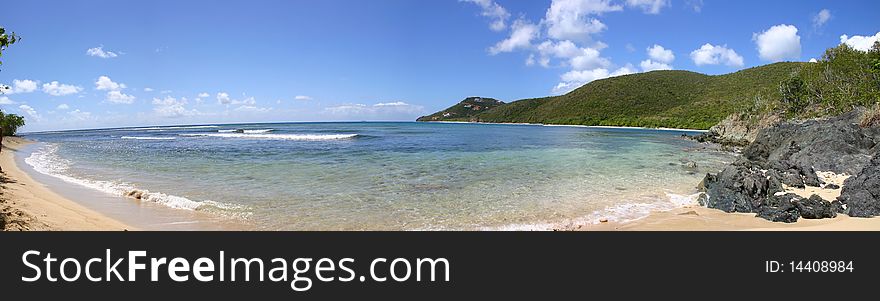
point(575, 125)
point(33, 206)
point(30, 205)
point(698, 218)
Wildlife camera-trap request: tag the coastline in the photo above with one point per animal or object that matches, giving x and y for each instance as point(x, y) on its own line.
point(698, 218)
point(30, 205)
point(34, 207)
point(576, 125)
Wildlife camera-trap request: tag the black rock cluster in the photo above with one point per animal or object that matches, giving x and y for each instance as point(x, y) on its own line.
point(790, 153)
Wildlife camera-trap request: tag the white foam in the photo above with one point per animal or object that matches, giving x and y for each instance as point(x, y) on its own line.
point(147, 138)
point(247, 131)
point(274, 136)
point(47, 161)
point(621, 213)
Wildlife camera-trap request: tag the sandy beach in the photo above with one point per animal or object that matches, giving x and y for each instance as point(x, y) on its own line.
point(704, 219)
point(29, 205)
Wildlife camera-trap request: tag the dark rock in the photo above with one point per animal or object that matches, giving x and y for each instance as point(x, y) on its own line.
point(790, 153)
point(861, 193)
point(831, 186)
point(779, 209)
point(815, 208)
point(737, 189)
point(838, 207)
point(793, 180)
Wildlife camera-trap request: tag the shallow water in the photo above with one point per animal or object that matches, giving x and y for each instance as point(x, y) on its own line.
point(386, 176)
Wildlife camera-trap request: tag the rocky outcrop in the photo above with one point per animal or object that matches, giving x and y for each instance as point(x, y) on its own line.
point(861, 194)
point(790, 154)
point(737, 129)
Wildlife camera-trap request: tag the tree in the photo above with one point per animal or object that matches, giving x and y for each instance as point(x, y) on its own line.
point(11, 122)
point(6, 40)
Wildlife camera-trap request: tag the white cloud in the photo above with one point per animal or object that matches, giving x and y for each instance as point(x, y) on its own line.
point(119, 97)
point(204, 95)
point(521, 35)
point(391, 104)
point(659, 58)
point(104, 83)
point(574, 19)
point(821, 18)
point(148, 89)
point(650, 65)
point(172, 107)
point(697, 5)
point(561, 49)
point(530, 61)
point(863, 43)
point(660, 54)
point(55, 88)
point(249, 108)
point(648, 6)
point(710, 54)
point(224, 99)
point(302, 97)
point(5, 100)
point(589, 58)
point(575, 78)
point(778, 43)
point(62, 106)
point(386, 111)
point(22, 86)
point(628, 69)
point(30, 112)
point(80, 115)
point(101, 53)
point(492, 10)
point(577, 58)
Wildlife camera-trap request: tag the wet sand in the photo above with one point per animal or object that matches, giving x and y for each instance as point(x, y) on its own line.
point(29, 205)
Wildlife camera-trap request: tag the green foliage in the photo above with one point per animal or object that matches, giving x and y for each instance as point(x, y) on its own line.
point(464, 110)
point(6, 40)
point(679, 99)
point(843, 79)
point(10, 123)
point(793, 92)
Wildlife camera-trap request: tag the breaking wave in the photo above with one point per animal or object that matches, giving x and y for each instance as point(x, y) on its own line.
point(302, 137)
point(46, 161)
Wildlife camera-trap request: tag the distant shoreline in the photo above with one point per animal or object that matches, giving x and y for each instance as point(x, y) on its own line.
point(575, 125)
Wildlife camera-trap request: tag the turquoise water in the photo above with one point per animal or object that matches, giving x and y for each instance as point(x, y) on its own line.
point(387, 176)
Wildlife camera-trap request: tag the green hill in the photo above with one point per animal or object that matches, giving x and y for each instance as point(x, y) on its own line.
point(679, 99)
point(464, 110)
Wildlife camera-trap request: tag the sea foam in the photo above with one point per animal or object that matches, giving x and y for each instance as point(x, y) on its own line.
point(261, 131)
point(146, 138)
point(620, 213)
point(46, 161)
point(303, 137)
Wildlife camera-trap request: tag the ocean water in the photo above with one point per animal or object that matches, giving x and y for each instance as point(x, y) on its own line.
point(386, 176)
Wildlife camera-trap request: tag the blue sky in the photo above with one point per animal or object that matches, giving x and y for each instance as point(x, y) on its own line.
point(88, 64)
